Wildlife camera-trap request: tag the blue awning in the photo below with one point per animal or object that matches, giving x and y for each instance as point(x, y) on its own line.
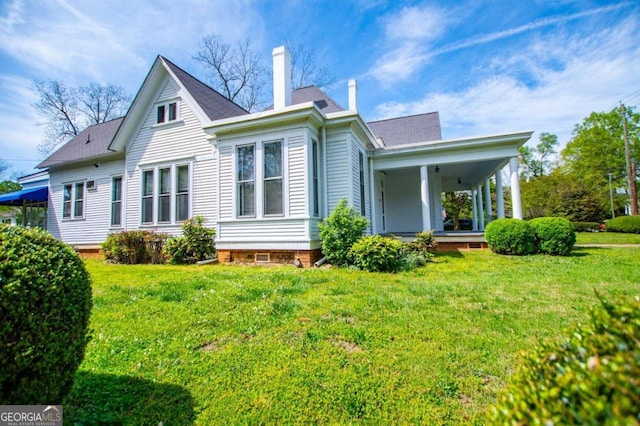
point(31, 195)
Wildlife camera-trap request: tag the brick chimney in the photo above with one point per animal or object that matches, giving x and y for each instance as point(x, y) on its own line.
point(281, 78)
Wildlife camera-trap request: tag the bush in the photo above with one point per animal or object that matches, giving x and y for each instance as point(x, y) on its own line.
point(510, 236)
point(133, 247)
point(626, 224)
point(586, 226)
point(554, 235)
point(590, 377)
point(196, 243)
point(418, 252)
point(375, 253)
point(340, 231)
point(45, 304)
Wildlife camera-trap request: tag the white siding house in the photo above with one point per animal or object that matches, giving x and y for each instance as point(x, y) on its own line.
point(264, 180)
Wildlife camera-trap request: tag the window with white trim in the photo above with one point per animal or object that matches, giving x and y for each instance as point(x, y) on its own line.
point(246, 180)
point(116, 201)
point(272, 179)
point(164, 187)
point(363, 209)
point(73, 200)
point(314, 177)
point(147, 196)
point(167, 112)
point(182, 193)
point(164, 195)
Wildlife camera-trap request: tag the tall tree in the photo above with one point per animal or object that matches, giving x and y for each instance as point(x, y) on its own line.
point(239, 74)
point(69, 110)
point(234, 71)
point(597, 149)
point(304, 70)
point(536, 161)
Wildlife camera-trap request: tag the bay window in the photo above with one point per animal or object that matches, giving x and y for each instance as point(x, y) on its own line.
point(246, 180)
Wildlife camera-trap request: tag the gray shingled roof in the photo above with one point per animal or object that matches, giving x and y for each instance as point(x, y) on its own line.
point(212, 103)
point(407, 130)
point(92, 142)
point(313, 93)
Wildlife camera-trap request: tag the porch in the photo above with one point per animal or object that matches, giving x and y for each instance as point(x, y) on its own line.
point(451, 240)
point(408, 182)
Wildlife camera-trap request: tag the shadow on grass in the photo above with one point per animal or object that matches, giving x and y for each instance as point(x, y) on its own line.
point(112, 399)
point(448, 253)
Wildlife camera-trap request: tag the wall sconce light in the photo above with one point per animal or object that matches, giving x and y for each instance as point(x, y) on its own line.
point(459, 181)
point(96, 165)
point(437, 169)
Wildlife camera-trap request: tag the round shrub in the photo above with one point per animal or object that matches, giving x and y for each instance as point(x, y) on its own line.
point(626, 224)
point(554, 235)
point(586, 226)
point(377, 254)
point(510, 236)
point(590, 377)
point(45, 304)
point(340, 231)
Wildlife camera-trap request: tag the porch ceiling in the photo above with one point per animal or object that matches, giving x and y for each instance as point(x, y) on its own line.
point(471, 174)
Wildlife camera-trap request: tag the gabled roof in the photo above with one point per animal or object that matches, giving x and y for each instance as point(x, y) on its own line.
point(314, 94)
point(212, 103)
point(92, 142)
point(407, 130)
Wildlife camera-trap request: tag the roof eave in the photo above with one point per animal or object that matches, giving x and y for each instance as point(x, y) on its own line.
point(512, 139)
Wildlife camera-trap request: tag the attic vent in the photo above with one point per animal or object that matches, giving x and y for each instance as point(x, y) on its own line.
point(91, 184)
point(262, 257)
point(88, 138)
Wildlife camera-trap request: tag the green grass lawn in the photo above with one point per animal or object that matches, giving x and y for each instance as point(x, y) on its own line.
point(233, 344)
point(606, 238)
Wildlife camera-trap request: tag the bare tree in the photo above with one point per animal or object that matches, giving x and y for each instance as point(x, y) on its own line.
point(304, 71)
point(69, 110)
point(238, 73)
point(234, 71)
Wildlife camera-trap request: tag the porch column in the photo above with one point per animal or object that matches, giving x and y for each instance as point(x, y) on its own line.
point(499, 195)
point(474, 210)
point(436, 201)
point(480, 209)
point(424, 197)
point(515, 188)
point(487, 200)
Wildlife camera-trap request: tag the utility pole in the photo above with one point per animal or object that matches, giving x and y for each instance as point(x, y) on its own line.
point(631, 170)
point(613, 212)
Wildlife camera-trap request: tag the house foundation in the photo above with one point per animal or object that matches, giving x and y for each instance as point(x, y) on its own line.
point(306, 257)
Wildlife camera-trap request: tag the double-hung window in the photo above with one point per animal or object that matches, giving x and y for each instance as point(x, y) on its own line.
point(73, 200)
point(363, 209)
point(182, 193)
point(116, 201)
point(147, 196)
point(273, 200)
point(246, 180)
point(314, 177)
point(165, 194)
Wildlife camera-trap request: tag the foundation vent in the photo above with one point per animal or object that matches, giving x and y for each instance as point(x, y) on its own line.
point(262, 257)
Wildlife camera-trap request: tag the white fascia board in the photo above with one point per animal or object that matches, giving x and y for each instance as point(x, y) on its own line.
point(134, 118)
point(268, 117)
point(186, 95)
point(341, 117)
point(514, 139)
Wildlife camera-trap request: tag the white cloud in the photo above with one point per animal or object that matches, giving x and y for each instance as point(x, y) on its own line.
point(415, 23)
point(572, 77)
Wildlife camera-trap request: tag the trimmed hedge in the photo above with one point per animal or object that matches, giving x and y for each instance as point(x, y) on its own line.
point(375, 253)
point(554, 235)
point(133, 247)
point(586, 226)
point(45, 305)
point(590, 377)
point(626, 224)
point(510, 236)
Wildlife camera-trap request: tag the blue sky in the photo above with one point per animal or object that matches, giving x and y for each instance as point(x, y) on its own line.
point(487, 67)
